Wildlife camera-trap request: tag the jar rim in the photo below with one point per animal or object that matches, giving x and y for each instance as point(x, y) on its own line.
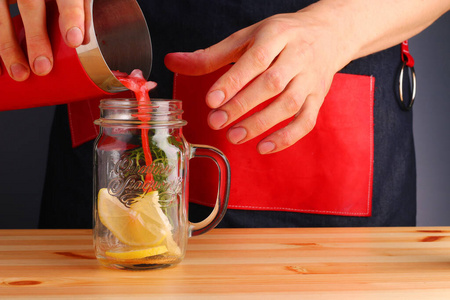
point(132, 102)
point(158, 113)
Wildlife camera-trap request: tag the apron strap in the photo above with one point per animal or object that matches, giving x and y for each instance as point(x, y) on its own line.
point(406, 102)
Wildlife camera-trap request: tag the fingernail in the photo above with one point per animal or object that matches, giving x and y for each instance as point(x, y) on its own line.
point(217, 119)
point(74, 36)
point(42, 65)
point(215, 98)
point(19, 71)
point(266, 147)
point(237, 134)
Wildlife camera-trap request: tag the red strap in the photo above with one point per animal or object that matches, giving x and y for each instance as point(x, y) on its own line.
point(406, 55)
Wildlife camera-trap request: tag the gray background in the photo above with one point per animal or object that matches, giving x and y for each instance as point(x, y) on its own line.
point(24, 136)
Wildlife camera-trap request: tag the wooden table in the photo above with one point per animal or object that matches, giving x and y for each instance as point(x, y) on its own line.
point(330, 263)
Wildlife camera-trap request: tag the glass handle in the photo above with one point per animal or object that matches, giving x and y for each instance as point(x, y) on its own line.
point(223, 192)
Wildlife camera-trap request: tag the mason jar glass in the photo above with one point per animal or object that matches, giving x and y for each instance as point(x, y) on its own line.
point(141, 179)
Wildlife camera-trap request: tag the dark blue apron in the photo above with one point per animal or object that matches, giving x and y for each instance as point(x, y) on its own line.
point(196, 24)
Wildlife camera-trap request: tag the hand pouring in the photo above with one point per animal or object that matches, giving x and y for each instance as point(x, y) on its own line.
point(119, 39)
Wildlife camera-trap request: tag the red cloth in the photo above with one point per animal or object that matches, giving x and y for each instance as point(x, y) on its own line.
point(330, 171)
point(82, 115)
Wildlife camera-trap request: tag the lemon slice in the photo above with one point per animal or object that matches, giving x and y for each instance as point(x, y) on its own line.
point(137, 254)
point(144, 205)
point(172, 246)
point(150, 210)
point(144, 226)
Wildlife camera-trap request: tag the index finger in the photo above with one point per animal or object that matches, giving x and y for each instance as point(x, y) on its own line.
point(71, 21)
point(11, 53)
point(251, 64)
point(264, 49)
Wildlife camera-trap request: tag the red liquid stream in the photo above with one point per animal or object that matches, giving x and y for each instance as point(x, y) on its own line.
point(137, 84)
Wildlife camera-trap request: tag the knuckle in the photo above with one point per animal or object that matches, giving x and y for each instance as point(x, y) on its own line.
point(291, 103)
point(260, 123)
point(309, 122)
point(8, 48)
point(37, 39)
point(285, 138)
point(278, 26)
point(73, 13)
point(304, 52)
point(275, 81)
point(233, 82)
point(234, 37)
point(261, 58)
point(205, 59)
point(28, 4)
point(240, 106)
point(38, 44)
point(275, 25)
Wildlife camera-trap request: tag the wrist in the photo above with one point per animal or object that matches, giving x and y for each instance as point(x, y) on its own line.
point(331, 20)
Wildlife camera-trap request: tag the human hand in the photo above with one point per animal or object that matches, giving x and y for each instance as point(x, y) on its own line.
point(40, 58)
point(291, 55)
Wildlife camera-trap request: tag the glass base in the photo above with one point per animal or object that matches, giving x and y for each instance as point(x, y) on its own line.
point(140, 264)
point(140, 267)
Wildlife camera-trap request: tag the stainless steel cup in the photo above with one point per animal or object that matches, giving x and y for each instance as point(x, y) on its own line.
point(119, 40)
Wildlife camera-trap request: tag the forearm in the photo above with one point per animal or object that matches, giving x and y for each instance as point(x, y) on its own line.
point(369, 26)
point(294, 57)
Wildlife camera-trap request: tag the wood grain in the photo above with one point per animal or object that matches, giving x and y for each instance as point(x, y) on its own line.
point(316, 263)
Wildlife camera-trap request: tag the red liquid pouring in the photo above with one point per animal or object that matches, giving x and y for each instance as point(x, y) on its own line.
point(137, 84)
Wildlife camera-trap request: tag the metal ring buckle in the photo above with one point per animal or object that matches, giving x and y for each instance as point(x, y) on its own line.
point(413, 87)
